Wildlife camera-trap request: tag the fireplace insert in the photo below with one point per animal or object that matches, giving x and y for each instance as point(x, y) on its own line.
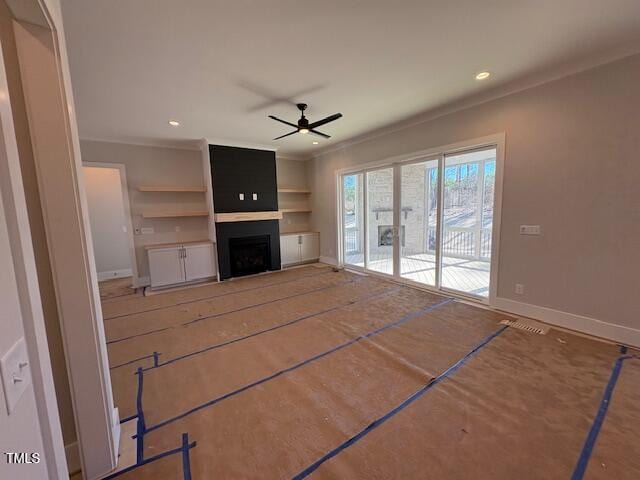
point(249, 255)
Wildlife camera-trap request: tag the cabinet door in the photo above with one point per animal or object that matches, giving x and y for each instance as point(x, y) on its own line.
point(310, 247)
point(166, 266)
point(289, 249)
point(198, 262)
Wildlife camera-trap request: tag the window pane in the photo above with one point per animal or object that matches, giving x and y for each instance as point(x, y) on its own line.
point(380, 220)
point(353, 219)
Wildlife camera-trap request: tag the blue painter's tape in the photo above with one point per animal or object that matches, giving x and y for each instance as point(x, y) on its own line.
point(186, 464)
point(130, 362)
point(359, 338)
point(155, 458)
point(125, 420)
point(271, 329)
point(376, 423)
point(233, 311)
point(217, 296)
point(590, 442)
point(140, 428)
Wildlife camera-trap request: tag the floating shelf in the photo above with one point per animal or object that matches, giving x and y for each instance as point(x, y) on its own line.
point(247, 216)
point(295, 210)
point(175, 214)
point(174, 189)
point(293, 190)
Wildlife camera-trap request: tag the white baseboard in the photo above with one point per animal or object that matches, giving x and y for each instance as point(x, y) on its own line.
point(73, 457)
point(329, 260)
point(579, 323)
point(114, 274)
point(141, 282)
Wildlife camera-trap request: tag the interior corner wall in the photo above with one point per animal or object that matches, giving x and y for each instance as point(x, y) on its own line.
point(571, 166)
point(160, 166)
point(36, 224)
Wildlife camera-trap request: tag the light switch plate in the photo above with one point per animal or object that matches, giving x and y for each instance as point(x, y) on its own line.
point(241, 196)
point(147, 230)
point(16, 374)
point(529, 229)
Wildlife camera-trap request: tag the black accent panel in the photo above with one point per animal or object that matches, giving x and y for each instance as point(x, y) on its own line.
point(243, 170)
point(237, 230)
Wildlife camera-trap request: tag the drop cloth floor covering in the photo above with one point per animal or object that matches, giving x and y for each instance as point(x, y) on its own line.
point(311, 373)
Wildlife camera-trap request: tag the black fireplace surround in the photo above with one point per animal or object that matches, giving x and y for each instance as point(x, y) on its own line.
point(244, 180)
point(249, 255)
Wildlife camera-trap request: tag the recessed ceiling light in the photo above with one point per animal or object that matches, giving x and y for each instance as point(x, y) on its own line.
point(315, 143)
point(483, 75)
point(173, 123)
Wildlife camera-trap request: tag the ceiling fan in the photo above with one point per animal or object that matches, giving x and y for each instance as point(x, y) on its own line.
point(304, 126)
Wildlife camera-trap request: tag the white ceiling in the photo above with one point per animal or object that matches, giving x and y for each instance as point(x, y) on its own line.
point(220, 67)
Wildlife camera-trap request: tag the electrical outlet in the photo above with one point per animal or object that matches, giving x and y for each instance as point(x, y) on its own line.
point(529, 229)
point(241, 196)
point(177, 228)
point(519, 289)
point(255, 196)
point(147, 231)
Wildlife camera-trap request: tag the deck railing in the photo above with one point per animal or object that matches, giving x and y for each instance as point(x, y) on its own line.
point(459, 242)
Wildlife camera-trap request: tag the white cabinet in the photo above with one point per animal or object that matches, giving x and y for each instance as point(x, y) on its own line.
point(299, 248)
point(180, 263)
point(166, 266)
point(198, 261)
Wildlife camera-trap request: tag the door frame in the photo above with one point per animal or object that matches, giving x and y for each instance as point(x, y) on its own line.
point(26, 276)
point(124, 185)
point(48, 98)
point(497, 140)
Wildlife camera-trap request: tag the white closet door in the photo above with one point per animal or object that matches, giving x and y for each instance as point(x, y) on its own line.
point(166, 266)
point(198, 262)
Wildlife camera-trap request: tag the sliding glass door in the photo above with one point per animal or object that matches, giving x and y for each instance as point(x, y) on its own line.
point(427, 221)
point(419, 220)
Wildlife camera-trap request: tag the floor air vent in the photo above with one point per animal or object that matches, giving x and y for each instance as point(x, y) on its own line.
point(527, 325)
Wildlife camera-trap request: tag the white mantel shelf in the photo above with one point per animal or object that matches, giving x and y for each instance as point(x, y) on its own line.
point(246, 216)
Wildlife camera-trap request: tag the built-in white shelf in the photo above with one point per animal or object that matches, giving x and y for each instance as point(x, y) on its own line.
point(247, 216)
point(175, 214)
point(295, 210)
point(171, 189)
point(293, 190)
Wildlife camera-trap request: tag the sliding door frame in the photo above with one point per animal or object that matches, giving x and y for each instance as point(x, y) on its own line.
point(496, 140)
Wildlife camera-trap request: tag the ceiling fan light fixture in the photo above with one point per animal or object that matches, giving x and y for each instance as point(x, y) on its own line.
point(304, 130)
point(483, 75)
point(315, 143)
point(174, 123)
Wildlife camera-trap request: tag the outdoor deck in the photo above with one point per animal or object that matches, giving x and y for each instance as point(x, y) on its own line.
point(464, 275)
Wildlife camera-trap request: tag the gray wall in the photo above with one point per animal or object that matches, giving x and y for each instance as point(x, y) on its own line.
point(571, 165)
point(147, 165)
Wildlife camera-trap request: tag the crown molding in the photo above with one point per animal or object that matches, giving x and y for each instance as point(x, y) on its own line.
point(521, 84)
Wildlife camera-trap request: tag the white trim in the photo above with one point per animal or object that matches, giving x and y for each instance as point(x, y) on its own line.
point(124, 186)
point(112, 274)
point(73, 457)
point(208, 181)
point(26, 276)
point(571, 321)
point(329, 261)
point(473, 100)
point(142, 282)
point(185, 145)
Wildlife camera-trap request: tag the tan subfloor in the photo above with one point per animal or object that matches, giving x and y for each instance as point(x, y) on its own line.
point(116, 288)
point(310, 373)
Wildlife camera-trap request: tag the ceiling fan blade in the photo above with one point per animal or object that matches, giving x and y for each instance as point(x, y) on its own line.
point(324, 121)
point(283, 121)
point(320, 134)
point(286, 135)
